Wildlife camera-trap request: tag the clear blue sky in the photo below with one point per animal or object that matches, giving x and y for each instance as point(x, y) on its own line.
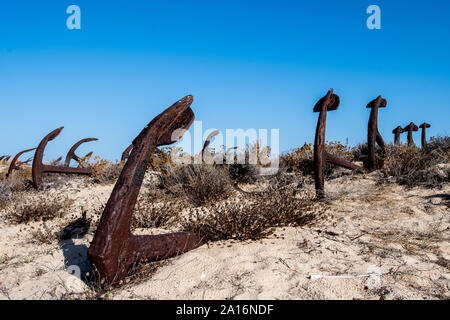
point(248, 64)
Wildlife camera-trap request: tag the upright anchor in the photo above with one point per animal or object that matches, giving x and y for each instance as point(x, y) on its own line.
point(424, 127)
point(373, 135)
point(328, 103)
point(410, 128)
point(397, 131)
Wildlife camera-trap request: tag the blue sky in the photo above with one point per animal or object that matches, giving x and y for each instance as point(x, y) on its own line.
point(248, 64)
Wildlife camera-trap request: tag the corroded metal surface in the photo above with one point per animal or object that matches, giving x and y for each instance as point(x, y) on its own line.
point(424, 127)
point(126, 153)
point(15, 165)
point(410, 128)
point(39, 168)
point(328, 103)
point(373, 135)
point(71, 154)
point(114, 248)
point(342, 162)
point(397, 131)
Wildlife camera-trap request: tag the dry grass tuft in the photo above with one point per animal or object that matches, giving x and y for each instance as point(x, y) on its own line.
point(44, 235)
point(104, 171)
point(411, 166)
point(39, 207)
point(151, 212)
point(199, 184)
point(254, 217)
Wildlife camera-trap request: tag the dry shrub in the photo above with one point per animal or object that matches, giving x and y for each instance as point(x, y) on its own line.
point(104, 171)
point(244, 168)
point(44, 235)
point(411, 166)
point(40, 207)
point(360, 152)
point(199, 184)
point(242, 173)
point(439, 148)
point(19, 180)
point(254, 217)
point(162, 158)
point(300, 160)
point(151, 212)
point(5, 194)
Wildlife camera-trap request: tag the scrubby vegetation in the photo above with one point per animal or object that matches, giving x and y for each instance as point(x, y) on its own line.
point(39, 207)
point(199, 184)
point(254, 217)
point(412, 166)
point(104, 171)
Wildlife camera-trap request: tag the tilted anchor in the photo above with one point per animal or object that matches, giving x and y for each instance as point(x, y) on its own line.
point(114, 248)
point(15, 165)
point(328, 103)
point(71, 154)
point(373, 135)
point(424, 127)
point(206, 144)
point(410, 128)
point(39, 168)
point(126, 153)
point(397, 131)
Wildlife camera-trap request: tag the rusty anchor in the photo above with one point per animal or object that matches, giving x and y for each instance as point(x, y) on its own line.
point(71, 154)
point(410, 128)
point(328, 103)
point(39, 168)
point(397, 131)
point(114, 248)
point(424, 127)
point(15, 164)
point(373, 135)
point(207, 156)
point(126, 153)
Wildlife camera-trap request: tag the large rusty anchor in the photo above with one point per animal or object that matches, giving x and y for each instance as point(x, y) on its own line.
point(328, 103)
point(114, 248)
point(15, 164)
point(39, 168)
point(373, 135)
point(424, 127)
point(71, 154)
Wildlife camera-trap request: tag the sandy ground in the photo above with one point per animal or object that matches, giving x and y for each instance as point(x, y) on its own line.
point(382, 242)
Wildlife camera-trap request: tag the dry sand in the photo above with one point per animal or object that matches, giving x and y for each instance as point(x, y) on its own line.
point(382, 241)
